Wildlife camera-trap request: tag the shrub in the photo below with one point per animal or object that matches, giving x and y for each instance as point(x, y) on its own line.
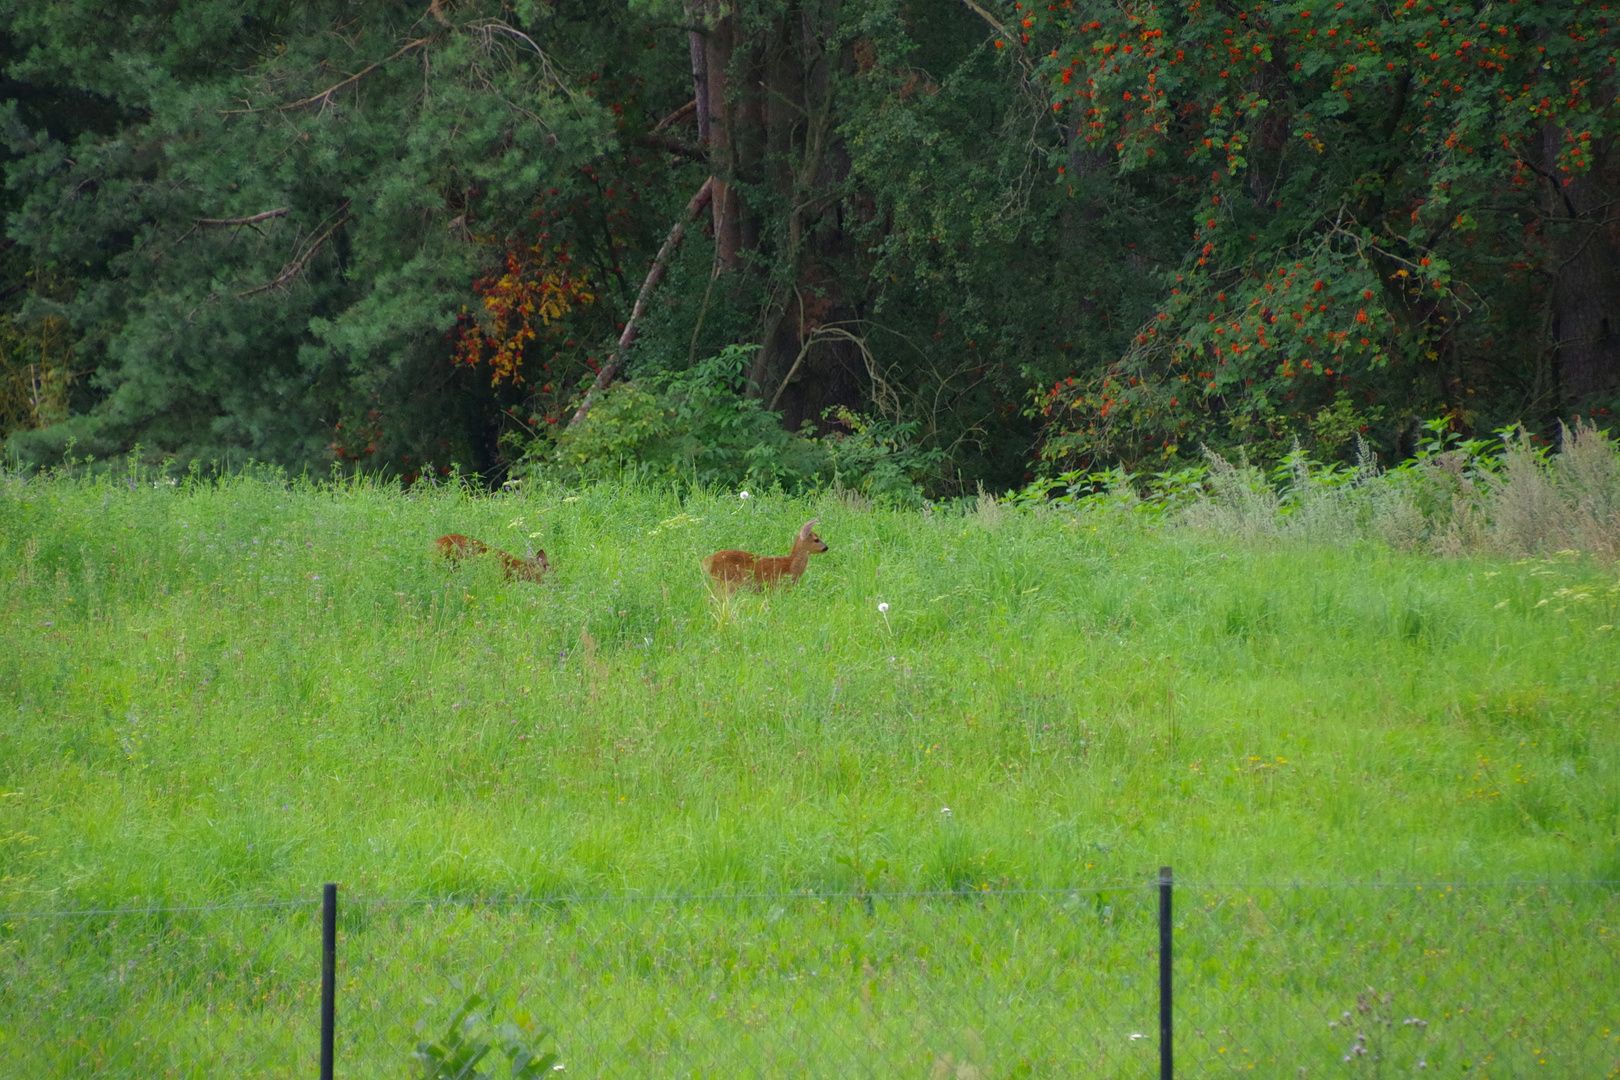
point(698, 426)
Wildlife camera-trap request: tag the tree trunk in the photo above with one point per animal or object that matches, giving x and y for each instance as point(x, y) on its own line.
point(800, 166)
point(765, 110)
point(700, 74)
point(1581, 227)
point(718, 123)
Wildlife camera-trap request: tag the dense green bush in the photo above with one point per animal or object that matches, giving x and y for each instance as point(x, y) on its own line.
point(696, 426)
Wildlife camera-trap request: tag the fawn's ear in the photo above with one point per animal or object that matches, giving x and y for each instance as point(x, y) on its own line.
point(809, 528)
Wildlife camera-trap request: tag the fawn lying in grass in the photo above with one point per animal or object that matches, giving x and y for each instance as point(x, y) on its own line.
point(456, 547)
point(729, 569)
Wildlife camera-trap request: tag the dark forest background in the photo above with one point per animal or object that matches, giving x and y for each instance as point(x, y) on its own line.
point(901, 244)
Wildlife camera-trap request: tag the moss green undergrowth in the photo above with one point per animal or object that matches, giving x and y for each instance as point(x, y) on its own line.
point(224, 690)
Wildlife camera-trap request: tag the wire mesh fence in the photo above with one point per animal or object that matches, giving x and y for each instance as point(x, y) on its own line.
point(1500, 980)
point(1320, 981)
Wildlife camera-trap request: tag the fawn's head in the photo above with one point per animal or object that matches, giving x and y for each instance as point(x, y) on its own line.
point(808, 537)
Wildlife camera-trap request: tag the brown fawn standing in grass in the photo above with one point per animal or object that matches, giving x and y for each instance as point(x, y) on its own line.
point(456, 547)
point(730, 569)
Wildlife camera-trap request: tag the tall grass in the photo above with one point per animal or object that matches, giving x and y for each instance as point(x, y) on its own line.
point(1509, 496)
point(237, 689)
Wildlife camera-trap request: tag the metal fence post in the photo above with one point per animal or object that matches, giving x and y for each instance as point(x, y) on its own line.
point(1167, 1069)
point(328, 977)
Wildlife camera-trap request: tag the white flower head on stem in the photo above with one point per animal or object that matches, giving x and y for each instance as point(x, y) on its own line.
point(744, 495)
point(883, 608)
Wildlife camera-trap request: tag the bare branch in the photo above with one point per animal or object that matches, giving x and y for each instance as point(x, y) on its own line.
point(296, 267)
point(822, 333)
point(512, 31)
point(490, 26)
point(326, 95)
point(1016, 46)
point(266, 216)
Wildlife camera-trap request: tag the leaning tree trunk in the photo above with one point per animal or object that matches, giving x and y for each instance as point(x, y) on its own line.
point(655, 274)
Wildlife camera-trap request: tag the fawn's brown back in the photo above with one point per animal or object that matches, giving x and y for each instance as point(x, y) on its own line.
point(455, 547)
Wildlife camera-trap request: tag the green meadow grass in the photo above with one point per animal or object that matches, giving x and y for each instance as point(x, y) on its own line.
point(239, 690)
point(228, 692)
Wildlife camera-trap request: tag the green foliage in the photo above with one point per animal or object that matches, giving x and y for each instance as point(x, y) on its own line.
point(878, 458)
point(317, 333)
point(471, 1037)
point(1366, 215)
point(969, 242)
point(694, 425)
point(992, 279)
point(418, 194)
point(698, 427)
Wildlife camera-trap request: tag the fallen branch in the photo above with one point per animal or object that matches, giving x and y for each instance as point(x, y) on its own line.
point(266, 216)
point(296, 267)
point(605, 376)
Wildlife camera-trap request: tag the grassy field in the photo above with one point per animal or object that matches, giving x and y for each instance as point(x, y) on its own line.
point(241, 690)
point(230, 692)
